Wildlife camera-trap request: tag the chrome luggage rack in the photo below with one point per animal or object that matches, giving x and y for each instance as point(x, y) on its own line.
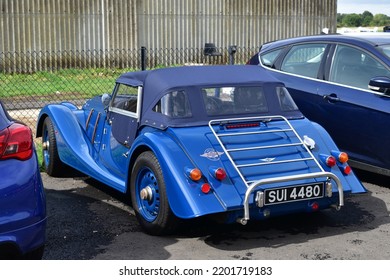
point(284, 127)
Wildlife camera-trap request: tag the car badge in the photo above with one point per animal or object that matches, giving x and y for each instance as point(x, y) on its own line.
point(267, 159)
point(211, 154)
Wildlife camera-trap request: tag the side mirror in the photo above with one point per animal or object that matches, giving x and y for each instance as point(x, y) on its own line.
point(380, 84)
point(106, 98)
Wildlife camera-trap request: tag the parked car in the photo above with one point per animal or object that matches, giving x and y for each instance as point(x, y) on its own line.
point(22, 197)
point(184, 142)
point(343, 83)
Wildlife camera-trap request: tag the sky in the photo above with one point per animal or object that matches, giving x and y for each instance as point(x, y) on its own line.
point(359, 6)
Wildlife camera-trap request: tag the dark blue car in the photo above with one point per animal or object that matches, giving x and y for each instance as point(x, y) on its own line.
point(22, 197)
point(343, 83)
point(184, 142)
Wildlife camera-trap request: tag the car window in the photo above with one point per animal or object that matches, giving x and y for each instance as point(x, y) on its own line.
point(268, 59)
point(125, 98)
point(304, 60)
point(174, 104)
point(234, 100)
point(355, 67)
point(386, 49)
point(285, 100)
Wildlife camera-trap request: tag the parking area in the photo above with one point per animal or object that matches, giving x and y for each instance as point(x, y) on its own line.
point(88, 221)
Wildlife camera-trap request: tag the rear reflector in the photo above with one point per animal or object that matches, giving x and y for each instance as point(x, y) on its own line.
point(315, 206)
point(347, 170)
point(205, 188)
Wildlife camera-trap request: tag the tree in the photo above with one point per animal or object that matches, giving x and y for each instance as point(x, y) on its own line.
point(367, 18)
point(380, 20)
point(352, 20)
point(340, 19)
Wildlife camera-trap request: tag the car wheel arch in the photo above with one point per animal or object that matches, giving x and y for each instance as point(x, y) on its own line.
point(40, 122)
point(134, 155)
point(148, 144)
point(156, 222)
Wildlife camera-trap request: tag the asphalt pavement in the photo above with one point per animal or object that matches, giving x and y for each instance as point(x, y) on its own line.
point(87, 220)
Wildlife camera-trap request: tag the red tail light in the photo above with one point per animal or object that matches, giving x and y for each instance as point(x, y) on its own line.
point(218, 173)
point(330, 161)
point(16, 142)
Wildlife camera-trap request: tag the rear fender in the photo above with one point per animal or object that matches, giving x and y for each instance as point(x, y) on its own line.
point(325, 144)
point(184, 195)
point(73, 145)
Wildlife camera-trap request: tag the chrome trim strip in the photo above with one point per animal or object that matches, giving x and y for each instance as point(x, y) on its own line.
point(89, 119)
point(95, 128)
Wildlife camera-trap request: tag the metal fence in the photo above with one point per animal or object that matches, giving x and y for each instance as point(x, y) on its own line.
point(30, 80)
point(52, 51)
point(54, 25)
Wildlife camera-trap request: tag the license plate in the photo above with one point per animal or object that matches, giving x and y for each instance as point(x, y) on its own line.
point(293, 193)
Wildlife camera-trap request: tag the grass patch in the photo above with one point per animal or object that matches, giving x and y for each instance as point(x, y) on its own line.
point(38, 148)
point(85, 82)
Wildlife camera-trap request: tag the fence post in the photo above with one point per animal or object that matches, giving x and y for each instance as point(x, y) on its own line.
point(143, 58)
point(232, 50)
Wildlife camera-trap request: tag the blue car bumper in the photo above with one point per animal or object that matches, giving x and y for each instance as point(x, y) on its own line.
point(22, 207)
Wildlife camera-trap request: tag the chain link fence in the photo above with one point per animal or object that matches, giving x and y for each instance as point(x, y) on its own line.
point(30, 80)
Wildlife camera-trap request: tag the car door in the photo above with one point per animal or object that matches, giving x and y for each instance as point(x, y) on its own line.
point(123, 113)
point(121, 127)
point(357, 118)
point(300, 68)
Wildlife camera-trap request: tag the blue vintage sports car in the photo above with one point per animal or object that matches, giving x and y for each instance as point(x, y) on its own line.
point(22, 197)
point(191, 141)
point(341, 82)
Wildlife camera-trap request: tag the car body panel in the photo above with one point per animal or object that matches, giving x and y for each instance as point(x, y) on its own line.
point(181, 143)
point(363, 119)
point(74, 148)
point(22, 202)
point(23, 208)
point(354, 116)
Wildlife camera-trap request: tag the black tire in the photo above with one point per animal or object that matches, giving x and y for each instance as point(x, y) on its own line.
point(52, 163)
point(37, 254)
point(153, 212)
